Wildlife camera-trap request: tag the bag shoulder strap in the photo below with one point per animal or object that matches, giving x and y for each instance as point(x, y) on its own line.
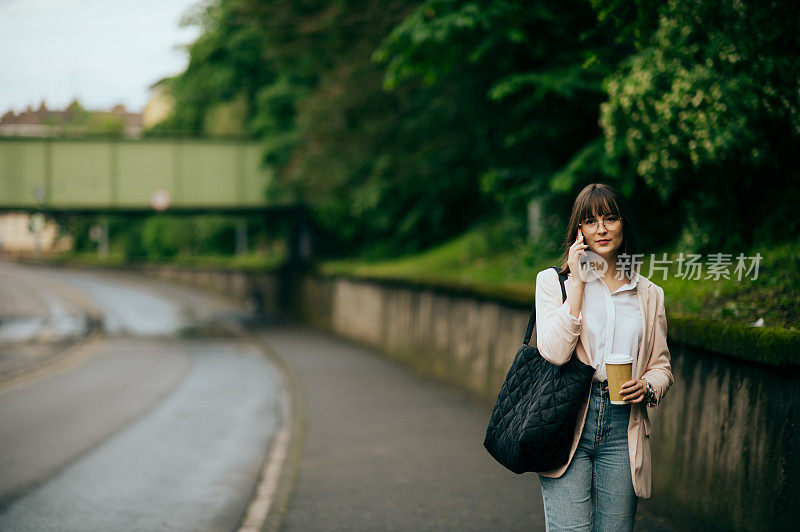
point(532, 319)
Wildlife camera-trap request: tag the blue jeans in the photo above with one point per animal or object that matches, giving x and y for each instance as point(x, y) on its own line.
point(596, 491)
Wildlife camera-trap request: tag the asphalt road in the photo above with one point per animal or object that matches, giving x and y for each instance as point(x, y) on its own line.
point(385, 449)
point(148, 430)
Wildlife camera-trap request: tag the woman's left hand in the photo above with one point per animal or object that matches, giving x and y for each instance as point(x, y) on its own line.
point(633, 391)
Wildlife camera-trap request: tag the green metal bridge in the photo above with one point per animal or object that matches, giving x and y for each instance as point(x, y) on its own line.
point(56, 176)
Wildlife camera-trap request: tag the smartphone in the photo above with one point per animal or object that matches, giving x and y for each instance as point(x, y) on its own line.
point(584, 256)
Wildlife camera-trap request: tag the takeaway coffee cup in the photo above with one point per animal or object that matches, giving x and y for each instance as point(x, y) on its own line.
point(619, 368)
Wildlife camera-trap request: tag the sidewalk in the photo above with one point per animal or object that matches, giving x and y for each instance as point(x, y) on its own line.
point(386, 449)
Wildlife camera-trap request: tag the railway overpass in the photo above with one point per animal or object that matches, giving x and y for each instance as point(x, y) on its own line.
point(58, 177)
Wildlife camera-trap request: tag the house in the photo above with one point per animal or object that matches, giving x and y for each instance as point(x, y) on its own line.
point(73, 121)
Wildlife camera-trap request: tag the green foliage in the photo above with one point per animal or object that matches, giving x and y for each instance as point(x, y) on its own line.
point(76, 229)
point(277, 103)
point(226, 119)
point(162, 237)
point(630, 21)
point(708, 113)
point(506, 95)
point(79, 122)
point(77, 116)
point(540, 67)
point(385, 173)
point(226, 66)
point(105, 125)
point(402, 122)
point(165, 236)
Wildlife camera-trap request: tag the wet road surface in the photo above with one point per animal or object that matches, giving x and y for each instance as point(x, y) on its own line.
point(150, 430)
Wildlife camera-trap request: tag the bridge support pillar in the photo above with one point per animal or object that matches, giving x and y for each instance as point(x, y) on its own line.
point(99, 233)
point(300, 242)
point(299, 253)
point(241, 237)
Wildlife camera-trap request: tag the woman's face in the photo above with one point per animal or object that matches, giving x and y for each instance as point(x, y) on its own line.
point(603, 235)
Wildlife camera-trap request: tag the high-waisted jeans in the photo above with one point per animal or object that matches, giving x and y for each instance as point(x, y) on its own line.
point(596, 491)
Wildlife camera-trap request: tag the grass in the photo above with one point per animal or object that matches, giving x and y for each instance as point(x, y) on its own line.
point(473, 261)
point(772, 294)
point(468, 261)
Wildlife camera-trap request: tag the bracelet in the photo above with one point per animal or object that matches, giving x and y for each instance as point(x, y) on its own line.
point(649, 394)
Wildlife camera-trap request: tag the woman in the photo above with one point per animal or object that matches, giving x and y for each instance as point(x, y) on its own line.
point(610, 308)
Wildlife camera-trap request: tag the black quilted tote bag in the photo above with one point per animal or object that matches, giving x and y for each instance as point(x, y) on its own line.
point(533, 420)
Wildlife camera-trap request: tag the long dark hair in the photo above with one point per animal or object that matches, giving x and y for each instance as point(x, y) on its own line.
point(599, 199)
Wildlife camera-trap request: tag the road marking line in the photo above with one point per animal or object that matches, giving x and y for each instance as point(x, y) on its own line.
point(271, 472)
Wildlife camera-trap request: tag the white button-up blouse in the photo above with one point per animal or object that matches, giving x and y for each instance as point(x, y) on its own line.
point(613, 320)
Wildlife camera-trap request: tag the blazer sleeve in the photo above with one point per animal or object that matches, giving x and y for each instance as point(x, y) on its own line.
point(557, 331)
point(659, 370)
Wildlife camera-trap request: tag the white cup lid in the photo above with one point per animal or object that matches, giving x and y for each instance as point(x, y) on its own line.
point(618, 358)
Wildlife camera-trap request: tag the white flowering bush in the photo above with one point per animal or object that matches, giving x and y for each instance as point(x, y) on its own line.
point(709, 110)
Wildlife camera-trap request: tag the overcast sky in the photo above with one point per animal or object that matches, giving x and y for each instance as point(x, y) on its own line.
point(103, 52)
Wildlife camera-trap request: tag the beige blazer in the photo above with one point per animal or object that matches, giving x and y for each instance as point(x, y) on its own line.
point(558, 336)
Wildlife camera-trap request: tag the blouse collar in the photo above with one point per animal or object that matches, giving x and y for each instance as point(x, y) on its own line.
point(627, 286)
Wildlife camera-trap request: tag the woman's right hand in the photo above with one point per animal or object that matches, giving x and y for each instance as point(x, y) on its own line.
point(576, 251)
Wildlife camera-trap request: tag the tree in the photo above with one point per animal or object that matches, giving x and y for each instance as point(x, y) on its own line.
point(707, 114)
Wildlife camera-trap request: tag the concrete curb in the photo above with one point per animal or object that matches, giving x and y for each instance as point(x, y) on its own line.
point(272, 494)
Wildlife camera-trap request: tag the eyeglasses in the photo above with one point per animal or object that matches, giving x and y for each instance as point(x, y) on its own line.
point(612, 223)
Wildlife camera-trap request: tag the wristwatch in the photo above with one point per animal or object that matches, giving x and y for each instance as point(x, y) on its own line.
point(649, 394)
